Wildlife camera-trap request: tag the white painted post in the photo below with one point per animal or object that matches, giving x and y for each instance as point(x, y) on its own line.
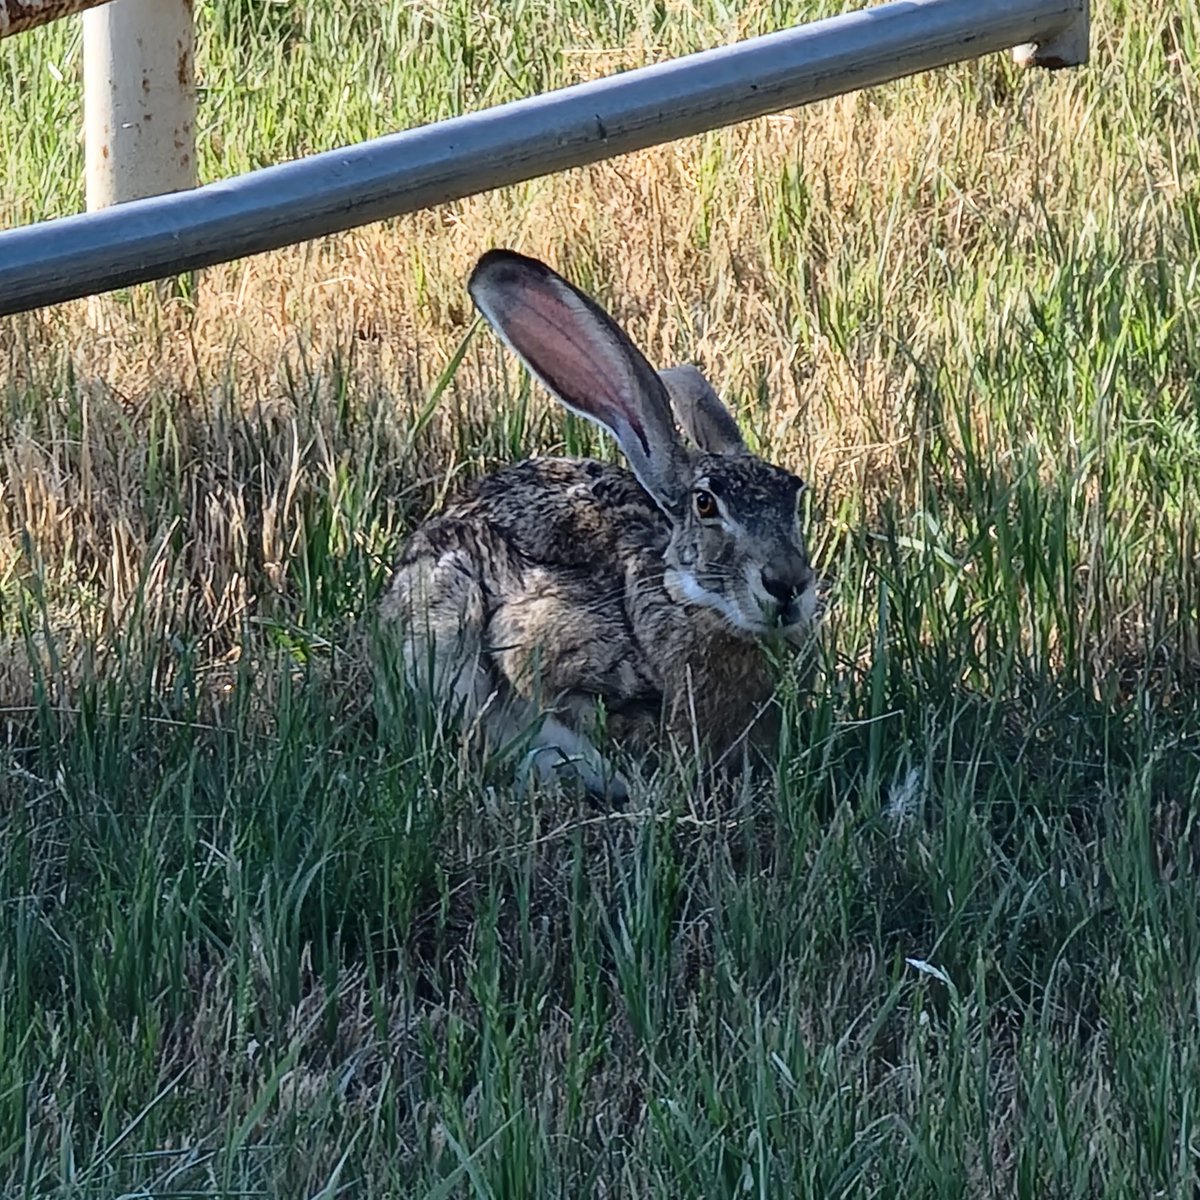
point(139, 109)
point(139, 102)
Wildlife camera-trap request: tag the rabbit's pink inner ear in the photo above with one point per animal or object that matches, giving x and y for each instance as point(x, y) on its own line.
point(576, 349)
point(561, 343)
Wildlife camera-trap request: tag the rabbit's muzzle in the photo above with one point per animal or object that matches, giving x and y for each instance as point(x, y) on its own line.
point(789, 596)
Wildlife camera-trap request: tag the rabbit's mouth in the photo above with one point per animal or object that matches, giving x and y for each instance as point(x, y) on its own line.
point(794, 620)
point(783, 605)
point(789, 621)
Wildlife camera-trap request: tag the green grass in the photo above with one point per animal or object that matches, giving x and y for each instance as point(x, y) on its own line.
point(266, 931)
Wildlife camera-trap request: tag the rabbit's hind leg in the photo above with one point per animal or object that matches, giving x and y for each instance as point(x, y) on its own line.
point(440, 606)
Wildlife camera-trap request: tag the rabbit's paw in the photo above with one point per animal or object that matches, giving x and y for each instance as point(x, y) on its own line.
point(559, 754)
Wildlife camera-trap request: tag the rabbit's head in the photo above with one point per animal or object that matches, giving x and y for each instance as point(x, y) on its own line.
point(736, 546)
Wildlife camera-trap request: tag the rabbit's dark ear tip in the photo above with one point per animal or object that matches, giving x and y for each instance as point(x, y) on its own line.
point(499, 263)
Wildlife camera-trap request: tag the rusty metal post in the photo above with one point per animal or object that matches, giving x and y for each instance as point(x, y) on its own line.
point(16, 16)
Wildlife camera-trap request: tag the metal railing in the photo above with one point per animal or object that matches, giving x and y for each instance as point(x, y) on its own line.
point(164, 235)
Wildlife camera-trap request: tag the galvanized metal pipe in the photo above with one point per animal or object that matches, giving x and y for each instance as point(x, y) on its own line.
point(148, 239)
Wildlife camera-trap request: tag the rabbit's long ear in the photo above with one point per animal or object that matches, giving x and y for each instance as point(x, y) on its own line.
point(580, 353)
point(699, 410)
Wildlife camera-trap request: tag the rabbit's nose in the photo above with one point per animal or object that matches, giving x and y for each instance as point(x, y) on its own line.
point(785, 586)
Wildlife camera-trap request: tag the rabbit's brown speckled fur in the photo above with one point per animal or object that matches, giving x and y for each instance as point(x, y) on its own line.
point(554, 588)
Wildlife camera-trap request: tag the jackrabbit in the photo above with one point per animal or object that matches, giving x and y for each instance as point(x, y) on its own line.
point(561, 596)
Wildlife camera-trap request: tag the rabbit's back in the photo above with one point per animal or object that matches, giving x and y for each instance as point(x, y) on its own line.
point(565, 513)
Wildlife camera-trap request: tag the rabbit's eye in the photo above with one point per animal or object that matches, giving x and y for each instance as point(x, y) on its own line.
point(706, 505)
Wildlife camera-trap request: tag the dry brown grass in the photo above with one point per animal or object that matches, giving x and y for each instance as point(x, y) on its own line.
point(903, 191)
